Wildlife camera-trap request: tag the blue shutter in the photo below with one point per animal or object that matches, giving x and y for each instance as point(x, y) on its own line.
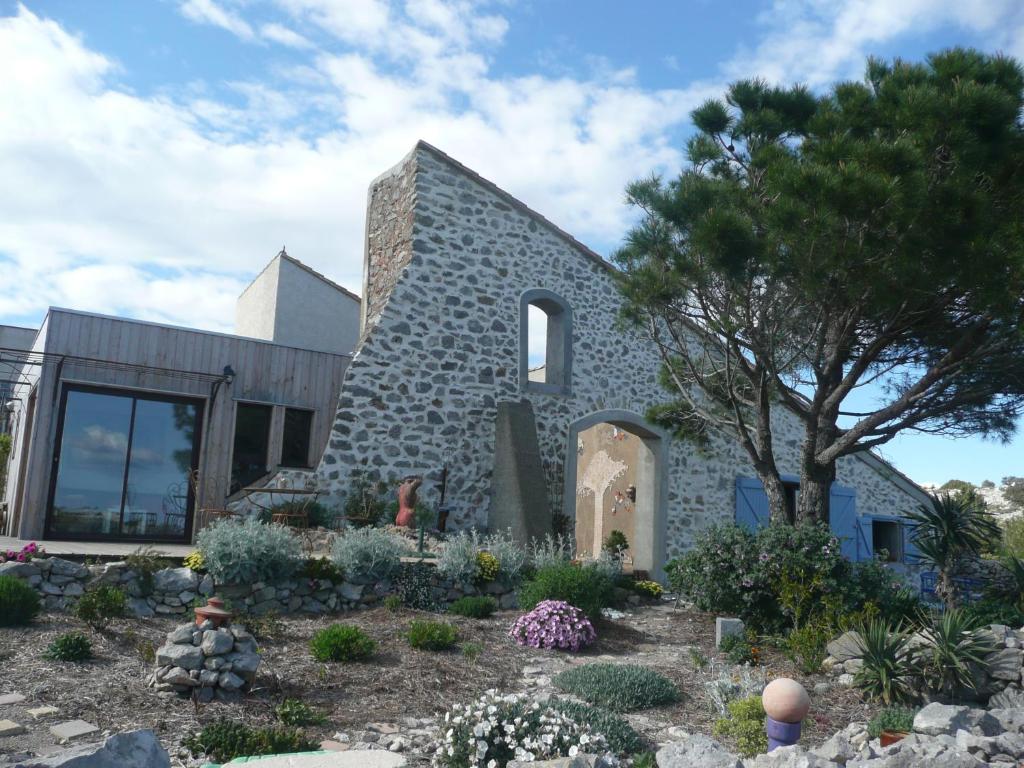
point(752, 511)
point(865, 538)
point(911, 554)
point(842, 518)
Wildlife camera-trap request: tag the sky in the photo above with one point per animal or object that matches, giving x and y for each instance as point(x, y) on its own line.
point(157, 153)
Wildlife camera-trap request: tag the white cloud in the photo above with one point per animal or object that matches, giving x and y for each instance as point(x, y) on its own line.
point(162, 207)
point(208, 12)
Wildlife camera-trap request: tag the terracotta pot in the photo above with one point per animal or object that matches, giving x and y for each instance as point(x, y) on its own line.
point(891, 737)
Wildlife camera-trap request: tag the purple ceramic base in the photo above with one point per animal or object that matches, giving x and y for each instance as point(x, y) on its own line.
point(781, 734)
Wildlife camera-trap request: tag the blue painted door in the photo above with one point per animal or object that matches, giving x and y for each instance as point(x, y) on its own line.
point(843, 519)
point(865, 538)
point(752, 511)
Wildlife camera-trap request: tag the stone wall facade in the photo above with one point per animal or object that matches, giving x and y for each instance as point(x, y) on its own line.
point(443, 349)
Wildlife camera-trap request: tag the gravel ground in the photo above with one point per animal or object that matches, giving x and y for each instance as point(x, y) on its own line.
point(400, 686)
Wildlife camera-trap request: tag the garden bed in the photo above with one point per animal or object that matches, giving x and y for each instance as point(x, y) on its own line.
point(399, 683)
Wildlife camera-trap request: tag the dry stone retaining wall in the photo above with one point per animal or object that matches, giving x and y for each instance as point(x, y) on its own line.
point(173, 591)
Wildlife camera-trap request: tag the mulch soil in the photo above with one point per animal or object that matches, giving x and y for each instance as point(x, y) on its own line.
point(398, 683)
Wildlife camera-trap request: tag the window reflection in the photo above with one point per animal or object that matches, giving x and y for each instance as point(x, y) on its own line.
point(121, 462)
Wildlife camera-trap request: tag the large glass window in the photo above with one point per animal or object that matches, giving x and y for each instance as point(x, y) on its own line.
point(121, 466)
point(252, 441)
point(298, 426)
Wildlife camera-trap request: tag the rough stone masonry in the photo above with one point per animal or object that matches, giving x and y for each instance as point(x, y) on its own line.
point(448, 259)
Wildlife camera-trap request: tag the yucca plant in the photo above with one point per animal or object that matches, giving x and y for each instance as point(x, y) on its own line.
point(888, 672)
point(947, 529)
point(956, 644)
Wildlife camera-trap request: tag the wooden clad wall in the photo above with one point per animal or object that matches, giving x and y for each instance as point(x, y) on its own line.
point(264, 373)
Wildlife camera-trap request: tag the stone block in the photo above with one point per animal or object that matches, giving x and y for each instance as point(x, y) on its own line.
point(11, 698)
point(697, 750)
point(10, 728)
point(1006, 664)
point(175, 580)
point(217, 642)
point(72, 729)
point(39, 712)
point(845, 647)
point(936, 719)
point(726, 627)
point(185, 656)
point(519, 498)
point(134, 749)
point(61, 567)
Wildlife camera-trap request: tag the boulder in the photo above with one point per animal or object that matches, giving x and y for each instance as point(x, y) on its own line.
point(61, 567)
point(217, 642)
point(579, 761)
point(351, 592)
point(1006, 664)
point(140, 609)
point(353, 758)
point(21, 570)
point(175, 580)
point(698, 751)
point(134, 749)
point(845, 647)
point(185, 656)
point(837, 749)
point(790, 757)
point(942, 719)
point(1011, 698)
point(181, 635)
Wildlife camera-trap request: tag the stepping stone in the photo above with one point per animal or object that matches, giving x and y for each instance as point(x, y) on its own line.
point(10, 728)
point(382, 727)
point(376, 758)
point(72, 729)
point(11, 698)
point(333, 746)
point(43, 712)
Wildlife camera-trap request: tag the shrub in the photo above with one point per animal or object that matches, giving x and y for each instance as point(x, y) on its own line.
point(888, 672)
point(738, 650)
point(194, 560)
point(474, 607)
point(225, 740)
point(806, 647)
point(342, 642)
point(322, 569)
point(745, 724)
point(487, 567)
point(554, 624)
point(101, 605)
point(458, 561)
point(70, 646)
point(895, 719)
point(496, 729)
point(955, 643)
point(295, 712)
point(19, 603)
point(247, 551)
point(513, 558)
point(616, 543)
point(618, 734)
point(392, 603)
point(618, 687)
point(368, 555)
point(649, 589)
point(145, 561)
point(552, 550)
point(366, 502)
point(995, 610)
point(415, 586)
point(1013, 536)
point(472, 651)
point(432, 635)
point(783, 576)
point(585, 587)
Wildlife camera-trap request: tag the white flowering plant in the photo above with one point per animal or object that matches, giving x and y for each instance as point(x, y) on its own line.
point(498, 728)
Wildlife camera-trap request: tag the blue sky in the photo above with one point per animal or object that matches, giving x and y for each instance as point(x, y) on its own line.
point(157, 153)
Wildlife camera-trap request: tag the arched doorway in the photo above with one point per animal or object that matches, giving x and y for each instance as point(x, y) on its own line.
point(615, 479)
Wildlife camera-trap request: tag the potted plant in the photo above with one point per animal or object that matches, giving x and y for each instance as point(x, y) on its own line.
point(891, 724)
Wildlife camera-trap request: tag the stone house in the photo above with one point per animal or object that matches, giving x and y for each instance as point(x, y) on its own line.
point(457, 276)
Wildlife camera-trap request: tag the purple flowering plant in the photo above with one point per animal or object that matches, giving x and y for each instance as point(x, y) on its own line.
point(24, 555)
point(554, 624)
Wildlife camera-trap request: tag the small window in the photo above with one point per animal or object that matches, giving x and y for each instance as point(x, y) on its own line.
point(298, 426)
point(545, 342)
point(886, 540)
point(252, 440)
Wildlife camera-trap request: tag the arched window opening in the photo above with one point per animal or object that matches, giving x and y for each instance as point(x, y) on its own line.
point(545, 342)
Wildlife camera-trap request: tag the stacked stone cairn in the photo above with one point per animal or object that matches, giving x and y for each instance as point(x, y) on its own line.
point(207, 662)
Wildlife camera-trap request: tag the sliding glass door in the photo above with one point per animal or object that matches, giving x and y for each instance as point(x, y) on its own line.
point(120, 466)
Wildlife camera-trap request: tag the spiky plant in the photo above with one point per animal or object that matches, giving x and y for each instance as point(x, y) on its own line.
point(955, 645)
point(888, 671)
point(946, 530)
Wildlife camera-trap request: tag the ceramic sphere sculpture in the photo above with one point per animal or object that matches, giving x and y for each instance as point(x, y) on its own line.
point(785, 700)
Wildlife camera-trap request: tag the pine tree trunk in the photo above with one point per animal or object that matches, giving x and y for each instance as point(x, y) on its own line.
point(776, 494)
